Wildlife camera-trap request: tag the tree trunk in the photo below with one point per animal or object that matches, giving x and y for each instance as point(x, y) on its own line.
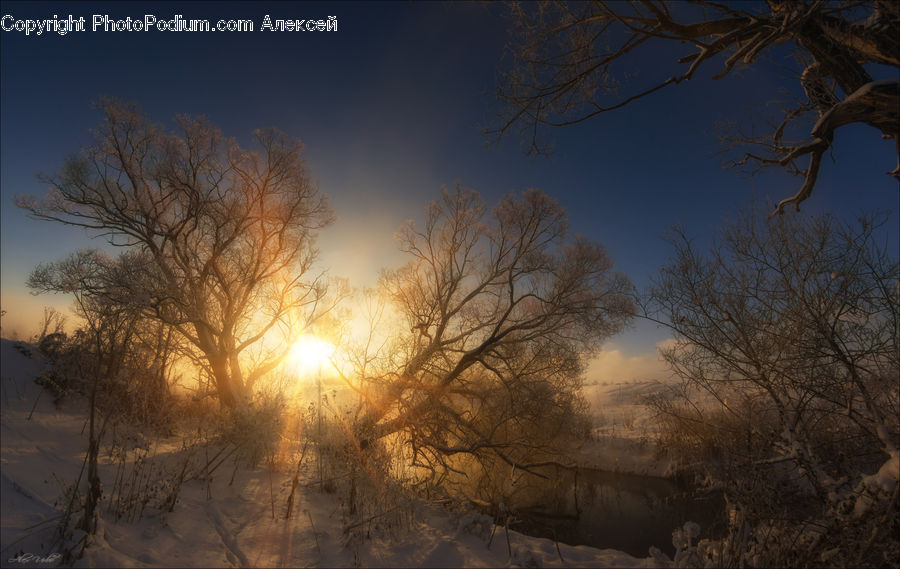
point(835, 59)
point(230, 395)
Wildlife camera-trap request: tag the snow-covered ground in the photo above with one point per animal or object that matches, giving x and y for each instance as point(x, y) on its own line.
point(235, 520)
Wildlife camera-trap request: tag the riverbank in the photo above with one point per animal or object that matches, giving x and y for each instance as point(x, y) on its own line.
point(238, 518)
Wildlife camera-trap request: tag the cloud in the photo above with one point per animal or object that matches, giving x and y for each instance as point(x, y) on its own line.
point(613, 365)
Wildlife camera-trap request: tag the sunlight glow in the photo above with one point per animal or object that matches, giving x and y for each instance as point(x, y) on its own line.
point(310, 356)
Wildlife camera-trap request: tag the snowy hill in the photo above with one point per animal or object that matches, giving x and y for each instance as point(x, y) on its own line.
point(234, 518)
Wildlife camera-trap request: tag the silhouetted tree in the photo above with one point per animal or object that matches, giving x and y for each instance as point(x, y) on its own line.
point(492, 318)
point(792, 325)
point(52, 324)
point(572, 61)
point(224, 236)
point(130, 352)
point(107, 334)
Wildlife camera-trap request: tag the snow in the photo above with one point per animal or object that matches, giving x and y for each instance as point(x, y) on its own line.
point(881, 483)
point(226, 521)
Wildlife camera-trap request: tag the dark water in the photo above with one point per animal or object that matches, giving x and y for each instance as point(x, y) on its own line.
point(627, 512)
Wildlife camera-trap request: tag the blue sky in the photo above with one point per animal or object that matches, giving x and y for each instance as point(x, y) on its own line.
point(390, 108)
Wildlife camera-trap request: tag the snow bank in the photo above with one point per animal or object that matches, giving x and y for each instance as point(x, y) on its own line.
point(42, 456)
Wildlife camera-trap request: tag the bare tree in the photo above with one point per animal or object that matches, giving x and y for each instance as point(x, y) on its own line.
point(570, 62)
point(107, 336)
point(791, 325)
point(52, 323)
point(492, 318)
point(225, 236)
point(123, 344)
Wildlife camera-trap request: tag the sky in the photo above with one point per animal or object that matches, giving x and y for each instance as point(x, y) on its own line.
point(391, 107)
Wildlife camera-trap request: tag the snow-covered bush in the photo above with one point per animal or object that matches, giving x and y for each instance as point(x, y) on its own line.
point(689, 550)
point(145, 483)
point(126, 379)
point(376, 500)
point(255, 429)
point(474, 523)
point(787, 347)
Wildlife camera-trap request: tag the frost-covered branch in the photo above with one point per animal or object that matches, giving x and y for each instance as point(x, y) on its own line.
point(570, 62)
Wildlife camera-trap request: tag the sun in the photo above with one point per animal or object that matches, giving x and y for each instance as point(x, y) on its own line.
point(309, 356)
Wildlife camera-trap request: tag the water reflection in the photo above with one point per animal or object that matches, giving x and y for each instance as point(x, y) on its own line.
point(627, 512)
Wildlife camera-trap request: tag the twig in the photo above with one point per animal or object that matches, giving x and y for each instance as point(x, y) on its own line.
point(315, 533)
point(33, 407)
point(508, 546)
point(367, 520)
point(271, 491)
point(558, 552)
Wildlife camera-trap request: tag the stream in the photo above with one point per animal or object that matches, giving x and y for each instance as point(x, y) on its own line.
point(627, 512)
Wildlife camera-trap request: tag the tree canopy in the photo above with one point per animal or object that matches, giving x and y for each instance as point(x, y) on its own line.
point(495, 312)
point(224, 237)
point(572, 61)
point(787, 345)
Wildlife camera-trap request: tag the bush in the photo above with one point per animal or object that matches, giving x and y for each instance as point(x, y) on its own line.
point(255, 429)
point(787, 348)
